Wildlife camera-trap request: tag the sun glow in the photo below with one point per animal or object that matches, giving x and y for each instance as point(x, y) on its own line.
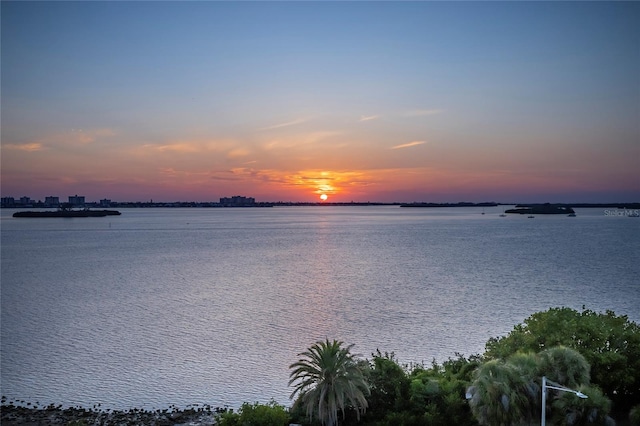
point(323, 197)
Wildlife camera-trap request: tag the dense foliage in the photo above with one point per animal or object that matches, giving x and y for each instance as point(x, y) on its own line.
point(596, 354)
point(256, 414)
point(609, 343)
point(406, 396)
point(509, 392)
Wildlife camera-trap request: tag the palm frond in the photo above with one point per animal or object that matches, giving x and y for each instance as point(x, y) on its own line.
point(328, 379)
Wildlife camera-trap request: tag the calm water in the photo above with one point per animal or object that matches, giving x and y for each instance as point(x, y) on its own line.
point(182, 306)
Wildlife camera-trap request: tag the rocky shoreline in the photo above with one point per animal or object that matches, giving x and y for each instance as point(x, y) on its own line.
point(11, 415)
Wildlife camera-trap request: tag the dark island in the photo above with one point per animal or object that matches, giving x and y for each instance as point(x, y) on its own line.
point(65, 210)
point(546, 208)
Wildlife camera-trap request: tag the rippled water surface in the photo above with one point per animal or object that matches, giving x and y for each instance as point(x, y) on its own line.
point(181, 306)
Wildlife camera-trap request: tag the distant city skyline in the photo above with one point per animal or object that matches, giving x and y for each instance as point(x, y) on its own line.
point(286, 101)
point(79, 200)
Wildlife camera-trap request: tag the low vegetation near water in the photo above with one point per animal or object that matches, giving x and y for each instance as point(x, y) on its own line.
point(597, 354)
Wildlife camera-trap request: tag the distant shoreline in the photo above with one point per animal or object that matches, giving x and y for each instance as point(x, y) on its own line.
point(194, 204)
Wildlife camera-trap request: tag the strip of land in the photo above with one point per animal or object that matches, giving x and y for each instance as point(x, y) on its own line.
point(14, 415)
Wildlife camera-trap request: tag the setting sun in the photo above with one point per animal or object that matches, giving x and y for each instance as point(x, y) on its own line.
point(323, 197)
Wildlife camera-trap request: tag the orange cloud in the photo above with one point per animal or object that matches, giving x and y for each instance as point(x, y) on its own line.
point(238, 152)
point(29, 147)
point(329, 182)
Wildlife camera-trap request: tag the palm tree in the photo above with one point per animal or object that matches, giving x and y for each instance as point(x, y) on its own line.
point(498, 395)
point(329, 379)
point(564, 365)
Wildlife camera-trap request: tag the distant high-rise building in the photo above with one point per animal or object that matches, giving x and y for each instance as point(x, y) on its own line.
point(76, 200)
point(8, 202)
point(51, 201)
point(237, 201)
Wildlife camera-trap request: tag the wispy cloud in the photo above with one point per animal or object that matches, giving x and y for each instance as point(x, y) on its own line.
point(407, 145)
point(230, 147)
point(287, 124)
point(369, 117)
point(225, 177)
point(29, 147)
point(423, 112)
point(80, 136)
point(174, 147)
point(170, 171)
point(300, 140)
point(71, 138)
point(238, 152)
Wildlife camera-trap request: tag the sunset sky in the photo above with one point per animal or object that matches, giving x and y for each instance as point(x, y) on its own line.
point(285, 101)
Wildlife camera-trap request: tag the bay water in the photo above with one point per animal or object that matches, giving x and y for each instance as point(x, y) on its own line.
point(170, 306)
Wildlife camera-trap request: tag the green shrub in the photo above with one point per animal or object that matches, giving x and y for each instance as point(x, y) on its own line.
point(270, 414)
point(228, 418)
point(634, 416)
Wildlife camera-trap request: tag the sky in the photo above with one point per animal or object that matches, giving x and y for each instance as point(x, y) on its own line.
point(285, 101)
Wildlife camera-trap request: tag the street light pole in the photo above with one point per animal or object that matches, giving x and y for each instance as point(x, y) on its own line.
point(555, 386)
point(544, 401)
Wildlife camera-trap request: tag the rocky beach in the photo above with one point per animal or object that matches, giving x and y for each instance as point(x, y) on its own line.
point(13, 413)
